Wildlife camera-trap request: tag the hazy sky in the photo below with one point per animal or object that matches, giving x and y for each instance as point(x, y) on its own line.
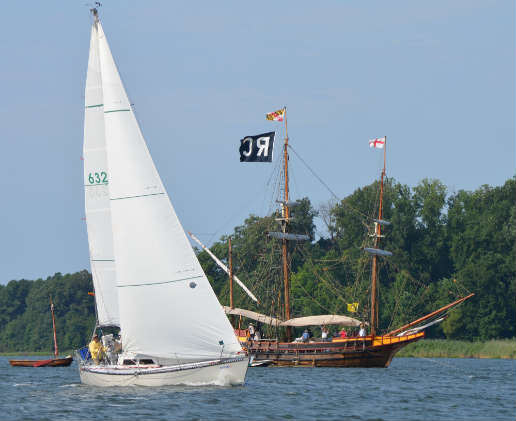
point(438, 78)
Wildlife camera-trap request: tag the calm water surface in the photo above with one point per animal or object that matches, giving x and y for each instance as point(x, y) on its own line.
point(410, 389)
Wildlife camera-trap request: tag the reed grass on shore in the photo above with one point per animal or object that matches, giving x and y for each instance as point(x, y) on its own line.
point(443, 348)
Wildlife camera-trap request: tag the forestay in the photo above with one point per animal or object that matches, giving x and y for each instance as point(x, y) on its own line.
point(167, 306)
point(96, 194)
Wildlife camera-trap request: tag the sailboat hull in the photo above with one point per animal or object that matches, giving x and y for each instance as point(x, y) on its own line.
point(352, 352)
point(229, 372)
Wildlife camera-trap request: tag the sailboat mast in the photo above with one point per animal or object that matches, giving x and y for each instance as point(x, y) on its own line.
point(374, 270)
point(285, 216)
point(56, 350)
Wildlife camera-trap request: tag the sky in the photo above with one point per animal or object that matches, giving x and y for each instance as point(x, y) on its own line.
point(437, 78)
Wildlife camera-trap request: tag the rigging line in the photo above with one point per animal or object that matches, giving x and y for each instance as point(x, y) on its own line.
point(309, 295)
point(415, 303)
point(396, 304)
point(335, 290)
point(233, 216)
point(326, 186)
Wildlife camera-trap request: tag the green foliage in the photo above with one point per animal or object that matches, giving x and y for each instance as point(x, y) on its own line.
point(27, 322)
point(444, 246)
point(438, 348)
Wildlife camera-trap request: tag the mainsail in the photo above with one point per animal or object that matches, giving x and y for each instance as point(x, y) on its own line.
point(167, 307)
point(96, 194)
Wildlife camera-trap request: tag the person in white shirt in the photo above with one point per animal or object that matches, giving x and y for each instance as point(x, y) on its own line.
point(324, 334)
point(362, 331)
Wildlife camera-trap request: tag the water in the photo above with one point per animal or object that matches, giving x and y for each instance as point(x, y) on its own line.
point(411, 389)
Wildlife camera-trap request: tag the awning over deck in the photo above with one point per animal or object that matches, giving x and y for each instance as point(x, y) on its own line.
point(262, 318)
point(323, 319)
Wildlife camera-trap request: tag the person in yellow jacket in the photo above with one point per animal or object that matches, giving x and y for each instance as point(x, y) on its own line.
point(97, 350)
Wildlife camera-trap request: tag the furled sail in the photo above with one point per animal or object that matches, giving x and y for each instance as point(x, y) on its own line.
point(96, 194)
point(167, 307)
point(290, 237)
point(262, 318)
point(223, 267)
point(377, 252)
point(324, 319)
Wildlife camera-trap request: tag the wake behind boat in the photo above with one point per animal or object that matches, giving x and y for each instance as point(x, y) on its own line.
point(148, 282)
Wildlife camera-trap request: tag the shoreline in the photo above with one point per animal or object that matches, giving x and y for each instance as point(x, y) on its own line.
point(447, 348)
point(426, 348)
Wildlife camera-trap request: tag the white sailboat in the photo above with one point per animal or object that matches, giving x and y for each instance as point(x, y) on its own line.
point(147, 278)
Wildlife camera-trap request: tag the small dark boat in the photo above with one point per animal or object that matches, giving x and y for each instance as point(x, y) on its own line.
point(51, 362)
point(54, 362)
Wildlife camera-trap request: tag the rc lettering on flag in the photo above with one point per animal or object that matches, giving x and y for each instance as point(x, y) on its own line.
point(257, 148)
point(379, 142)
point(352, 307)
point(276, 115)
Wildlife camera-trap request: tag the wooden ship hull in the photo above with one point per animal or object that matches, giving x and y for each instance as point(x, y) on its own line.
point(350, 352)
point(54, 362)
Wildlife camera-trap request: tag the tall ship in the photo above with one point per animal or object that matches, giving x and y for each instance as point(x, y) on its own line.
point(366, 346)
point(167, 324)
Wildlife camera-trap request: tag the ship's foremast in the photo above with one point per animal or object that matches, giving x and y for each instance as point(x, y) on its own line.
point(377, 236)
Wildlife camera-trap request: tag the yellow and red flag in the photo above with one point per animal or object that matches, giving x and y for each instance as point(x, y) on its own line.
point(276, 115)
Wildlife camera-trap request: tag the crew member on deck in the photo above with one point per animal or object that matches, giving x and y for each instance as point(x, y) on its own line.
point(324, 334)
point(96, 349)
point(362, 331)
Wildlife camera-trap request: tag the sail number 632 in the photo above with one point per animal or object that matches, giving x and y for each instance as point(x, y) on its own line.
point(97, 178)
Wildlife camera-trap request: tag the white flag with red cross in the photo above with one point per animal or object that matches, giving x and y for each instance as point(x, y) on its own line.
point(379, 142)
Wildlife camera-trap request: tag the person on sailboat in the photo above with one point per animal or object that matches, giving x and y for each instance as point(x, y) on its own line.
point(343, 333)
point(96, 349)
point(362, 331)
point(251, 331)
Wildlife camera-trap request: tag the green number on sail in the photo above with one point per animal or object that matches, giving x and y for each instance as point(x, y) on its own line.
point(96, 178)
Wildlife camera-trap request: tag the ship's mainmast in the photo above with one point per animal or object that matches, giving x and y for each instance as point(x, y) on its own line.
point(284, 236)
point(285, 221)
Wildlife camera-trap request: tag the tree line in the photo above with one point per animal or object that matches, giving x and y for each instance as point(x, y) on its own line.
point(444, 244)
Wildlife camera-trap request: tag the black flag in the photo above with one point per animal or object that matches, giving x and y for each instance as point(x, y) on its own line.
point(257, 148)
